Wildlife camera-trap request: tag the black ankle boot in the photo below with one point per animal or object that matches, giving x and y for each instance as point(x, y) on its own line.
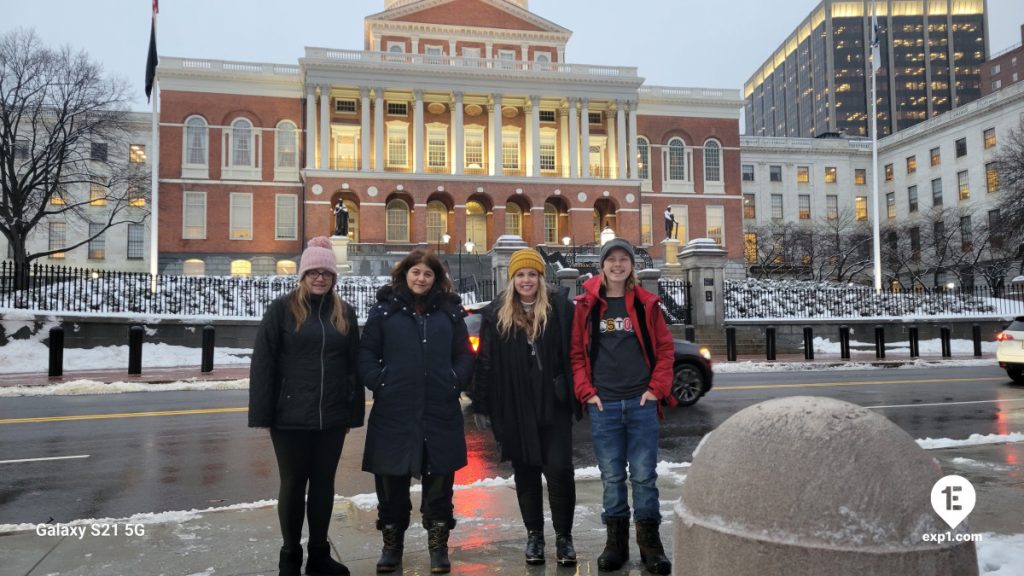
point(394, 544)
point(565, 552)
point(652, 553)
point(437, 543)
point(320, 562)
point(534, 547)
point(616, 549)
point(289, 562)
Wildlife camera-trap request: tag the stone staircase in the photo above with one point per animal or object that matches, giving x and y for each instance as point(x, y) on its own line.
point(714, 340)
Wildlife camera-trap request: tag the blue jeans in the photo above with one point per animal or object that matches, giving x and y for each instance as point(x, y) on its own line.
point(627, 433)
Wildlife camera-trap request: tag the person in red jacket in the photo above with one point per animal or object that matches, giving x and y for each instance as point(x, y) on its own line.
point(621, 355)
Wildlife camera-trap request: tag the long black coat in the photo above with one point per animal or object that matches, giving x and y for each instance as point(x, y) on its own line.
point(305, 380)
point(417, 366)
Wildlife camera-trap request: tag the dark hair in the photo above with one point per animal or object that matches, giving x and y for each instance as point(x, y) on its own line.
point(430, 260)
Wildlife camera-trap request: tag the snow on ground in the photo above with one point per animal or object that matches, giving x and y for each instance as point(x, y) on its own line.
point(85, 387)
point(19, 356)
point(748, 366)
point(1000, 554)
point(972, 440)
point(925, 347)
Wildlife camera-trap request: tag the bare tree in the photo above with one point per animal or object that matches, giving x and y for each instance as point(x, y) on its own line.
point(844, 245)
point(1010, 168)
point(775, 253)
point(62, 124)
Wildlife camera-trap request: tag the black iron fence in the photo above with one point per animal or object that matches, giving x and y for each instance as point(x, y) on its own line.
point(675, 299)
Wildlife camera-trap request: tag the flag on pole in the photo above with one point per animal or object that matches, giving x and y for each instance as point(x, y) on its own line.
point(876, 56)
point(151, 60)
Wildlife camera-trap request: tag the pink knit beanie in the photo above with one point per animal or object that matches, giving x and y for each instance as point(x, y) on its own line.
point(318, 254)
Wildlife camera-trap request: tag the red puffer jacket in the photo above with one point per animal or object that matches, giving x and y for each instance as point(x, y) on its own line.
point(661, 340)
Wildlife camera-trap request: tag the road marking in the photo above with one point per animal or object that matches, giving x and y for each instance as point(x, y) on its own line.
point(862, 383)
point(43, 459)
point(948, 403)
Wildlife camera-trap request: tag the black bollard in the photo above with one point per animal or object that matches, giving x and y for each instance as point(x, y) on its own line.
point(879, 341)
point(56, 352)
point(208, 339)
point(915, 349)
point(730, 343)
point(844, 342)
point(944, 337)
point(976, 336)
point(770, 335)
point(135, 349)
point(690, 333)
point(808, 343)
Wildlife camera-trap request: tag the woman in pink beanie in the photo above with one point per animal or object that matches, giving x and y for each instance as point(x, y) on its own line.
point(304, 386)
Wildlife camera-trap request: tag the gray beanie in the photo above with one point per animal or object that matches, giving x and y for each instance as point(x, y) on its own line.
point(618, 243)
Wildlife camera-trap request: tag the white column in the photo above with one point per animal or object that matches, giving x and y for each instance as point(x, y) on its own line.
point(376, 44)
point(620, 140)
point(561, 55)
point(378, 129)
point(415, 44)
point(495, 139)
point(634, 169)
point(364, 129)
point(574, 140)
point(310, 127)
point(325, 127)
point(488, 50)
point(533, 138)
point(563, 133)
point(417, 137)
point(451, 50)
point(611, 147)
point(585, 138)
point(526, 56)
point(458, 137)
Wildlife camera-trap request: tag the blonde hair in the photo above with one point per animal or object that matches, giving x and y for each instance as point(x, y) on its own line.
point(299, 306)
point(513, 315)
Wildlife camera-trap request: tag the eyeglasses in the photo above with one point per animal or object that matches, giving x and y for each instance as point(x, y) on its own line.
point(317, 274)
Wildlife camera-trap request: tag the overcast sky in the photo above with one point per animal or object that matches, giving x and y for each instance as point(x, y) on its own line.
point(716, 44)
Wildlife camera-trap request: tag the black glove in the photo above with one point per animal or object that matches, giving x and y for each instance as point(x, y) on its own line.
point(482, 421)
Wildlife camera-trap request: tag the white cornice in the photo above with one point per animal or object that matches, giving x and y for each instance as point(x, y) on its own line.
point(220, 76)
point(481, 34)
point(509, 8)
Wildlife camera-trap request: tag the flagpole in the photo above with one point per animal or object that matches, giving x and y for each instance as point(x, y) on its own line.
point(154, 252)
point(873, 126)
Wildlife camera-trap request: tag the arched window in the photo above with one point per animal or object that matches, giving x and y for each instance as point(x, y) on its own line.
point(513, 219)
point(397, 221)
point(476, 226)
point(193, 267)
point(550, 223)
point(643, 158)
point(712, 161)
point(241, 143)
point(676, 159)
point(285, 267)
point(241, 268)
point(437, 221)
point(196, 150)
point(287, 145)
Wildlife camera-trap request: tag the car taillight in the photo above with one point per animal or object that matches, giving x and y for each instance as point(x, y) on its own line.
point(474, 341)
point(1004, 336)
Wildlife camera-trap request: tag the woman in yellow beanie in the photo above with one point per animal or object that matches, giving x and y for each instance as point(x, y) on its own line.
point(523, 391)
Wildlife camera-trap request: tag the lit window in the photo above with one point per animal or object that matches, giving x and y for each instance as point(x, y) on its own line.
point(57, 199)
point(936, 157)
point(804, 205)
point(193, 267)
point(643, 157)
point(888, 172)
point(716, 224)
point(136, 197)
point(136, 153)
point(241, 268)
point(513, 219)
point(890, 205)
point(991, 177)
point(646, 224)
point(285, 268)
point(550, 223)
point(241, 216)
point(990, 138)
point(860, 176)
point(830, 174)
point(749, 207)
point(911, 164)
point(962, 184)
point(750, 247)
point(803, 175)
point(98, 191)
point(861, 207)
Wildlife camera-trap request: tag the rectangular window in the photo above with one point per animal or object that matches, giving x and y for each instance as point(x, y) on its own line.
point(398, 109)
point(832, 207)
point(550, 227)
point(776, 206)
point(750, 247)
point(994, 230)
point(912, 199)
point(136, 197)
point(646, 224)
point(547, 115)
point(510, 151)
point(860, 176)
point(966, 234)
point(962, 185)
point(97, 246)
point(716, 224)
point(936, 156)
point(286, 217)
point(398, 138)
point(775, 173)
point(890, 205)
point(830, 174)
point(991, 177)
point(57, 199)
point(58, 238)
point(98, 191)
point(547, 153)
point(888, 172)
point(594, 117)
point(433, 54)
point(241, 216)
point(345, 106)
point(915, 244)
point(748, 172)
point(911, 164)
point(136, 153)
point(437, 148)
point(98, 151)
point(749, 207)
point(193, 220)
point(474, 150)
point(803, 174)
point(939, 233)
point(804, 204)
point(136, 241)
point(937, 192)
point(990, 138)
point(961, 147)
point(861, 207)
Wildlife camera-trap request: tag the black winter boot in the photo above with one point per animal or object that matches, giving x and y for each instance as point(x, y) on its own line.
point(320, 562)
point(289, 563)
point(437, 543)
point(394, 544)
point(534, 547)
point(616, 549)
point(652, 553)
point(565, 552)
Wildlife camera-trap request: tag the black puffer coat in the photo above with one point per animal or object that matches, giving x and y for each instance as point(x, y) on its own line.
point(416, 365)
point(305, 380)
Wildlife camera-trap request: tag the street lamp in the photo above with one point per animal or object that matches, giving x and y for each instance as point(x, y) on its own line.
point(445, 238)
point(469, 245)
point(565, 242)
point(607, 235)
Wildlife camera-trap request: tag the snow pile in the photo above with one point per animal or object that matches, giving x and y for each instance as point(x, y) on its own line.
point(972, 440)
point(86, 387)
point(1000, 554)
point(33, 356)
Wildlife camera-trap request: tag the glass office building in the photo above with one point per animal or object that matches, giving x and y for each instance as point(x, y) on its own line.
point(818, 81)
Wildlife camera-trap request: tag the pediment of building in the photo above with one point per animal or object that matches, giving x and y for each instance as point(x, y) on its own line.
point(494, 14)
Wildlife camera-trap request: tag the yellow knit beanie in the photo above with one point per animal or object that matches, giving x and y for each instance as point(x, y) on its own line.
point(525, 258)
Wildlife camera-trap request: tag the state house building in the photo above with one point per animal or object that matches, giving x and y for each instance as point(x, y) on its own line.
point(458, 120)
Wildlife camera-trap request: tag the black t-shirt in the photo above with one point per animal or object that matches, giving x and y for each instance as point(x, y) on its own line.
point(620, 371)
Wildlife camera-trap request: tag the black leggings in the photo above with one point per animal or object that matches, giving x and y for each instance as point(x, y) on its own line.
point(395, 505)
point(557, 442)
point(306, 456)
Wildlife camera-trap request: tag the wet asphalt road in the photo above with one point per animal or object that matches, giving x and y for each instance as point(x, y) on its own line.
point(130, 453)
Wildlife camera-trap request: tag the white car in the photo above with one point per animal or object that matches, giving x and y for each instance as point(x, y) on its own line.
point(1010, 351)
